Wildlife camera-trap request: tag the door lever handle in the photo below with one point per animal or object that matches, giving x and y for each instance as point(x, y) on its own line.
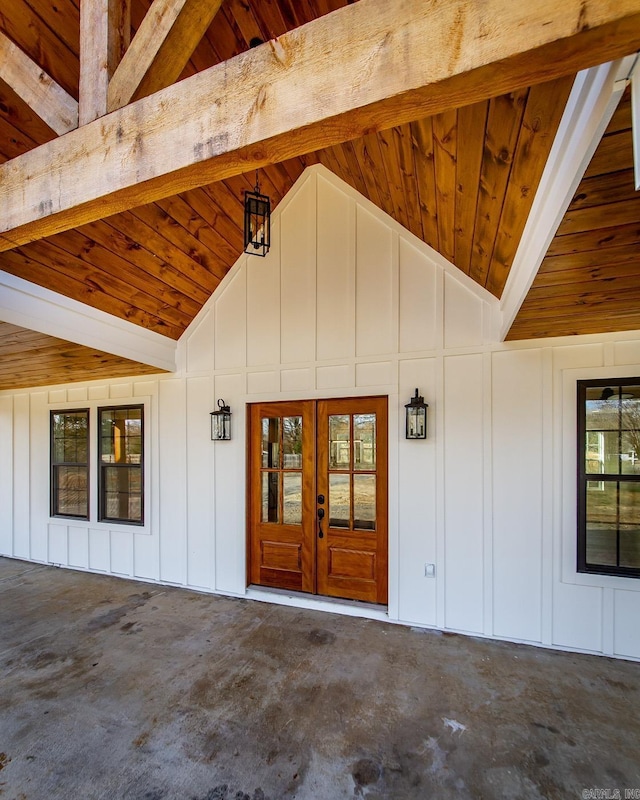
point(320, 518)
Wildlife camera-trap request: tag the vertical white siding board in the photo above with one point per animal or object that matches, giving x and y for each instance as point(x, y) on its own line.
point(263, 304)
point(418, 297)
point(577, 617)
point(547, 587)
point(487, 493)
point(336, 272)
point(39, 475)
point(463, 319)
point(199, 344)
point(298, 277)
point(58, 545)
point(99, 550)
point(173, 512)
point(199, 483)
point(121, 550)
point(78, 547)
point(417, 482)
point(6, 475)
point(463, 492)
point(231, 321)
point(608, 621)
point(517, 500)
point(229, 485)
point(146, 556)
point(21, 476)
point(626, 632)
point(375, 290)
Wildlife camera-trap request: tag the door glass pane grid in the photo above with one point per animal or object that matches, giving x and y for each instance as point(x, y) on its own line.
point(352, 471)
point(281, 473)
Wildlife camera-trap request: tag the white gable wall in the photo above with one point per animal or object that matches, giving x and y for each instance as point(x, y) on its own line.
point(349, 303)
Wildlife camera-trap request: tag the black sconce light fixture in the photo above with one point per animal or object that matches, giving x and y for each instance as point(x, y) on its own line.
point(416, 410)
point(257, 222)
point(221, 423)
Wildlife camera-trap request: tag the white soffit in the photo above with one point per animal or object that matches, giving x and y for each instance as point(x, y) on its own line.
point(594, 97)
point(30, 306)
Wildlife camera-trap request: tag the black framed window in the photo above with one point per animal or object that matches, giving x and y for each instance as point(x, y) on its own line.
point(121, 464)
point(609, 477)
point(70, 464)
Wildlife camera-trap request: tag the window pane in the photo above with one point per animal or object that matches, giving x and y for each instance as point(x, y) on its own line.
point(629, 524)
point(270, 496)
point(630, 438)
point(121, 436)
point(339, 457)
point(630, 547)
point(602, 408)
point(602, 522)
point(271, 442)
point(364, 502)
point(292, 498)
point(122, 492)
point(292, 442)
point(364, 442)
point(71, 491)
point(69, 460)
point(339, 500)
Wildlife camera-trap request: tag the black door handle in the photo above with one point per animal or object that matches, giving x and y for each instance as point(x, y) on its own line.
point(320, 518)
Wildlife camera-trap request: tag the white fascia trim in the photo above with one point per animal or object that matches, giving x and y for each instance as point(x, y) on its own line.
point(594, 97)
point(38, 309)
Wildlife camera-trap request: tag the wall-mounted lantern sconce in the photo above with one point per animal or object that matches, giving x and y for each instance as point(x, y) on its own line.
point(221, 422)
point(416, 417)
point(257, 222)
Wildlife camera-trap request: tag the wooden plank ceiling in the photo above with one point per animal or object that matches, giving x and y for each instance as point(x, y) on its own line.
point(34, 359)
point(462, 181)
point(589, 281)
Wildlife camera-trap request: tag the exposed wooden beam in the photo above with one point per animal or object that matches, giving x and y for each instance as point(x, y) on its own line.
point(40, 92)
point(105, 32)
point(398, 61)
point(161, 48)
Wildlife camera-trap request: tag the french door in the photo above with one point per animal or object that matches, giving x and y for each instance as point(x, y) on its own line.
point(318, 497)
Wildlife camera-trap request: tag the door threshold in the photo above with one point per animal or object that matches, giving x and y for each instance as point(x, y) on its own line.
point(314, 602)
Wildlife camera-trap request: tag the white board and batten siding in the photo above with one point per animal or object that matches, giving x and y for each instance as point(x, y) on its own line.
point(349, 303)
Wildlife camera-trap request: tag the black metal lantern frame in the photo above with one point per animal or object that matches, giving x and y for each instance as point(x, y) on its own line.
point(221, 423)
point(257, 222)
point(416, 413)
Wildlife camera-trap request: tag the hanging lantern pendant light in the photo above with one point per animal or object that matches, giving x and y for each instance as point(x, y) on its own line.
point(257, 222)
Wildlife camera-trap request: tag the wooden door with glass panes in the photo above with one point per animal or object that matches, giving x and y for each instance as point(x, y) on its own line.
point(318, 497)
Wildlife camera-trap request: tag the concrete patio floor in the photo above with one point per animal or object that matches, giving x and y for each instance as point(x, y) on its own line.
point(120, 689)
